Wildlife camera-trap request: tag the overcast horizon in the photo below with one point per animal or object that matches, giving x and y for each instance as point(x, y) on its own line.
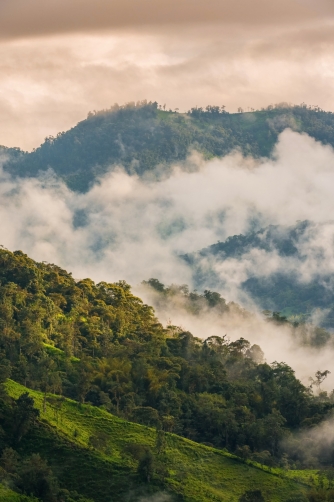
point(59, 60)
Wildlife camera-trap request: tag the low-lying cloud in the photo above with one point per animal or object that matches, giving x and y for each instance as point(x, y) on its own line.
point(313, 261)
point(312, 446)
point(281, 343)
point(130, 228)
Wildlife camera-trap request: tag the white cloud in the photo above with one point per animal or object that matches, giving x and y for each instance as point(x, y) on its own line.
point(132, 229)
point(48, 84)
point(127, 228)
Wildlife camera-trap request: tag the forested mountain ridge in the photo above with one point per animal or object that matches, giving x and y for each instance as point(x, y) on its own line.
point(143, 136)
point(100, 344)
point(283, 289)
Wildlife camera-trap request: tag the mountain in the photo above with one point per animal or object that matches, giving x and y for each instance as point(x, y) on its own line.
point(100, 402)
point(282, 289)
point(143, 136)
point(105, 404)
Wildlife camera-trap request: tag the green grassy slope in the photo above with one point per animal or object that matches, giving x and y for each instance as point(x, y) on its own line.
point(195, 472)
point(7, 495)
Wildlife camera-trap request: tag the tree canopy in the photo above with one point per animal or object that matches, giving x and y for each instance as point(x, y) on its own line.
point(141, 136)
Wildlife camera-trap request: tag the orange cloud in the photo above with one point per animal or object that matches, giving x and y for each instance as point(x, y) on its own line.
point(23, 18)
point(59, 59)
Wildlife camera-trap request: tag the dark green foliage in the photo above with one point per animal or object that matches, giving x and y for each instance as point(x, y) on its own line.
point(99, 441)
point(141, 136)
point(299, 497)
point(145, 458)
point(98, 343)
point(36, 478)
point(146, 466)
point(9, 461)
point(24, 415)
point(321, 495)
point(252, 496)
point(145, 415)
point(160, 443)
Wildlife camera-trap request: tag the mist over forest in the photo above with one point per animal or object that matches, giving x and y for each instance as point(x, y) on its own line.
point(175, 273)
point(205, 198)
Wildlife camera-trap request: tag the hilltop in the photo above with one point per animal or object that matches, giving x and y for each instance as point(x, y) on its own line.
point(142, 136)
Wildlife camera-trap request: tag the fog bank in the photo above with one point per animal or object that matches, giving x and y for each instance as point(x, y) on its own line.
point(133, 229)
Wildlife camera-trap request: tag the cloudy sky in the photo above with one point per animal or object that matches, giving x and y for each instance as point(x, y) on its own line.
point(132, 229)
point(59, 59)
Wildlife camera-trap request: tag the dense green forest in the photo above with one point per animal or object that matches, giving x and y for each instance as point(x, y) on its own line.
point(100, 402)
point(142, 136)
point(98, 344)
point(282, 291)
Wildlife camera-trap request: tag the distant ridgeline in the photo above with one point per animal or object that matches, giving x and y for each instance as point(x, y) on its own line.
point(142, 136)
point(285, 289)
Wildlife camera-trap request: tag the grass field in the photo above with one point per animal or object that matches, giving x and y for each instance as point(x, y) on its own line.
point(194, 472)
point(7, 495)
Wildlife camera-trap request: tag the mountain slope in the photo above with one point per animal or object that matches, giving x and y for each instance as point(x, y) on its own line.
point(99, 344)
point(7, 495)
point(141, 137)
point(284, 288)
point(193, 472)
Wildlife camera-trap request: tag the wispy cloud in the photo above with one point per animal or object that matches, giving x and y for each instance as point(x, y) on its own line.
point(130, 228)
point(133, 229)
point(58, 60)
point(32, 17)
